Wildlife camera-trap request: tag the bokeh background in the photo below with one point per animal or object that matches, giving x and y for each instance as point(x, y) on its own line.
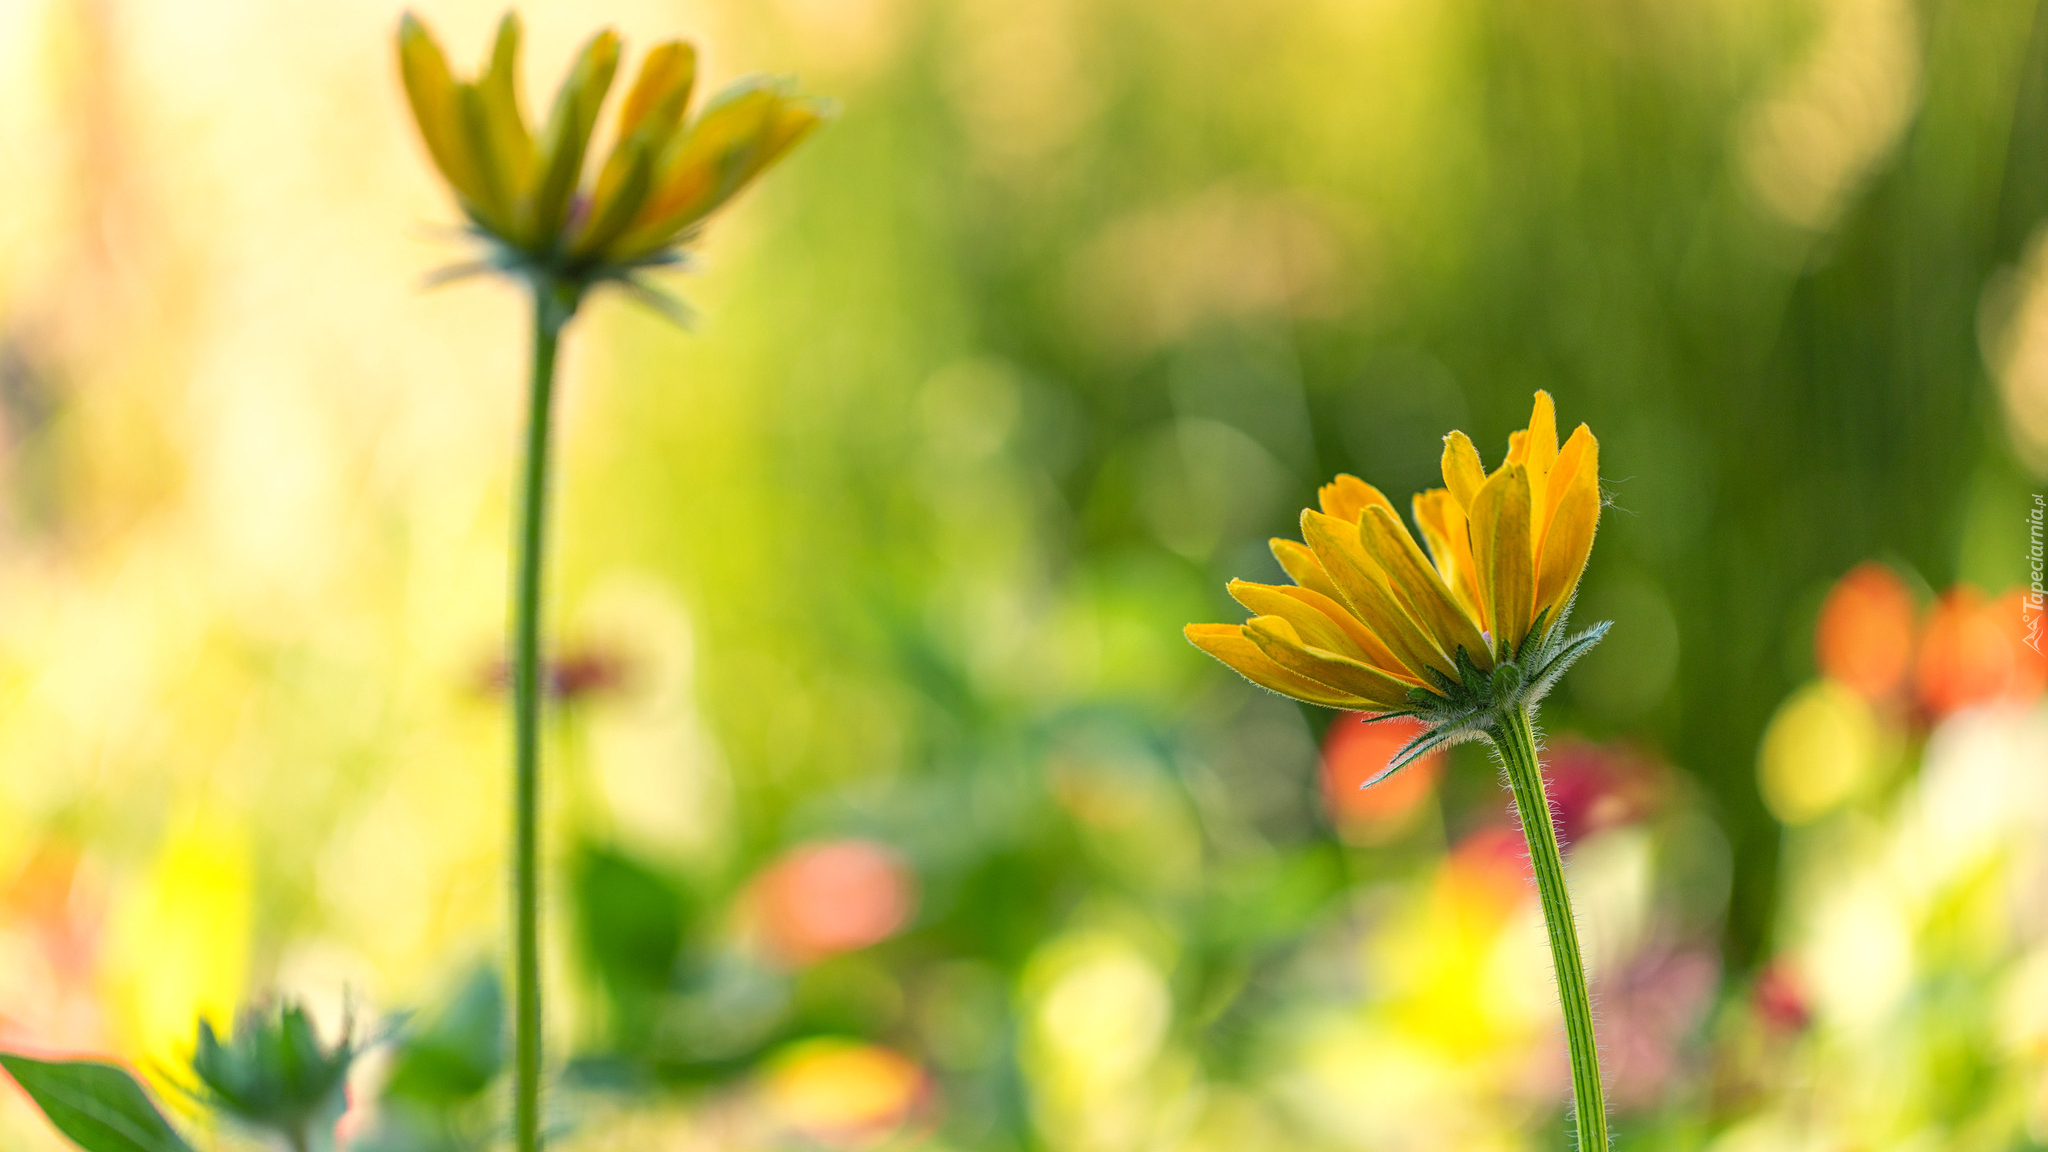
point(888, 808)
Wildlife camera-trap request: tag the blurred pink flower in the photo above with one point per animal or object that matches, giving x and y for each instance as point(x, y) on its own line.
point(1598, 786)
point(1649, 1008)
point(818, 900)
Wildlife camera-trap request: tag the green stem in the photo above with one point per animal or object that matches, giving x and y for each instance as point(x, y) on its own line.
point(1516, 743)
point(552, 310)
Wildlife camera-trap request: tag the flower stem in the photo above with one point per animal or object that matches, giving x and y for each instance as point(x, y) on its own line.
point(1516, 744)
point(552, 310)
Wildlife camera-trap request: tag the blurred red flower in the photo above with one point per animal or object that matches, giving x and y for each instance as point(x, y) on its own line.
point(1780, 998)
point(572, 675)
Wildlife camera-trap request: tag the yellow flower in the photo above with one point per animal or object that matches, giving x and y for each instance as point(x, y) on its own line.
point(664, 176)
point(1375, 624)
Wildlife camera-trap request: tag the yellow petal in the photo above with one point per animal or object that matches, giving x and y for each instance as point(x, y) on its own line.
point(1540, 452)
point(1347, 496)
point(1278, 640)
point(1542, 435)
point(621, 191)
point(510, 141)
point(566, 136)
point(493, 202)
point(1501, 550)
point(1444, 530)
point(1321, 621)
point(1313, 626)
point(1579, 451)
point(1302, 567)
point(1228, 643)
point(663, 90)
point(741, 133)
point(647, 126)
point(431, 89)
point(1463, 472)
point(1568, 538)
point(1369, 595)
point(1418, 586)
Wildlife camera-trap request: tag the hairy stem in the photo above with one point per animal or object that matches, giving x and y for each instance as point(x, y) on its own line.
point(1516, 743)
point(549, 315)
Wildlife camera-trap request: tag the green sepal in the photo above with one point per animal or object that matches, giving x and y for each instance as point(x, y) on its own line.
point(272, 1072)
point(1507, 680)
point(1472, 705)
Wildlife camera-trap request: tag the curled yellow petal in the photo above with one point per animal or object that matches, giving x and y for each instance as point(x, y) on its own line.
point(1229, 644)
point(1321, 620)
point(1302, 567)
point(1347, 496)
point(1369, 595)
point(1463, 472)
point(1419, 588)
point(1501, 550)
point(1574, 516)
point(1314, 627)
point(431, 90)
point(1281, 644)
point(1444, 529)
point(566, 136)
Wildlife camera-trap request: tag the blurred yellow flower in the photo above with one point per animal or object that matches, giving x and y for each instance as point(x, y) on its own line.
point(1824, 745)
point(664, 177)
point(1370, 618)
point(840, 1093)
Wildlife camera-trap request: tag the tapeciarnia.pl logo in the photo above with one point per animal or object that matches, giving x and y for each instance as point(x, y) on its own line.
point(2031, 615)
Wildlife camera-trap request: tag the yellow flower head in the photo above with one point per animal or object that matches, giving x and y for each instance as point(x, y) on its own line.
point(665, 175)
point(1375, 624)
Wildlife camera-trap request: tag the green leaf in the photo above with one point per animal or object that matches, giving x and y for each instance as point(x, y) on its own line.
point(457, 1054)
point(97, 1104)
point(632, 919)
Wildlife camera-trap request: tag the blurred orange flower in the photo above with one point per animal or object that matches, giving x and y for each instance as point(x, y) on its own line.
point(1864, 638)
point(1355, 752)
point(1971, 653)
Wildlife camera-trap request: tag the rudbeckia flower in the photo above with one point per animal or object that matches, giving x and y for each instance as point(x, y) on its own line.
point(1449, 630)
point(666, 173)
